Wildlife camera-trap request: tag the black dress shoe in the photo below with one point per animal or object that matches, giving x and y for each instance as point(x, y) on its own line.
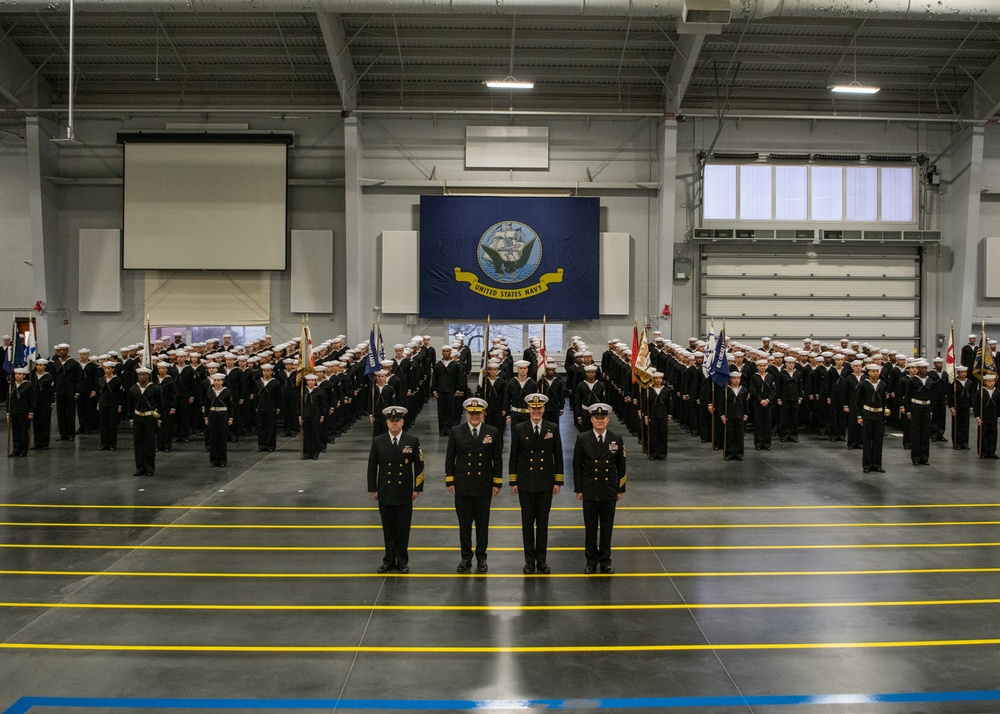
point(150, 474)
point(403, 569)
point(528, 569)
point(867, 470)
point(139, 473)
point(878, 469)
point(464, 567)
point(383, 568)
point(544, 568)
point(607, 570)
point(589, 570)
point(481, 566)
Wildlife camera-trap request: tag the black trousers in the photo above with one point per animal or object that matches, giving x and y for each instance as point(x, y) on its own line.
point(960, 437)
point(735, 431)
point(657, 438)
point(396, 533)
point(762, 426)
point(920, 436)
point(109, 427)
point(788, 420)
point(854, 440)
point(165, 434)
point(66, 415)
point(939, 408)
point(988, 438)
point(312, 443)
point(42, 426)
point(473, 509)
point(446, 416)
point(872, 435)
point(290, 415)
point(598, 524)
point(218, 437)
point(182, 425)
point(20, 428)
point(535, 507)
point(267, 430)
point(836, 423)
point(144, 443)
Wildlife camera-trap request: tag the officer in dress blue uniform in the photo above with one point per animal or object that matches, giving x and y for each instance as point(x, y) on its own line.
point(536, 475)
point(395, 479)
point(599, 481)
point(474, 475)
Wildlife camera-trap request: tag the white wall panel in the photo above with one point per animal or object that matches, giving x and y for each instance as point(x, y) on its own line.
point(312, 271)
point(616, 286)
point(400, 272)
point(100, 284)
point(208, 297)
point(990, 267)
point(507, 147)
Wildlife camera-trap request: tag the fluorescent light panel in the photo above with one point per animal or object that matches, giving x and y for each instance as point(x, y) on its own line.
point(508, 84)
point(853, 89)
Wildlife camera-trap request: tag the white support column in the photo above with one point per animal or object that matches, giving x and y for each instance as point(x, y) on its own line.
point(359, 252)
point(43, 162)
point(967, 167)
point(663, 277)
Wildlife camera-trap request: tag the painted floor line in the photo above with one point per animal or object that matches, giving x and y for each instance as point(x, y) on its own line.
point(416, 526)
point(501, 549)
point(496, 608)
point(463, 576)
point(806, 507)
point(25, 704)
point(553, 649)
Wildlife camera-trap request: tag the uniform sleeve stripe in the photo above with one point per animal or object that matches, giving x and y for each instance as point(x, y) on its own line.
point(622, 481)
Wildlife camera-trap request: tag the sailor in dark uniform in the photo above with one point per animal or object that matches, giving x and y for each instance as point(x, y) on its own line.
point(870, 409)
point(599, 481)
point(168, 400)
point(655, 413)
point(516, 393)
point(267, 401)
point(474, 475)
point(21, 412)
point(789, 399)
point(492, 390)
point(735, 412)
point(986, 407)
point(218, 419)
point(43, 387)
point(447, 386)
point(383, 395)
point(110, 395)
point(587, 393)
point(762, 392)
point(918, 412)
point(66, 372)
point(314, 412)
point(144, 400)
point(959, 401)
point(395, 479)
point(536, 475)
point(552, 386)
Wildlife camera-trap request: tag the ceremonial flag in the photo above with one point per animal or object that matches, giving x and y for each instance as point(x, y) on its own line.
point(306, 361)
point(543, 356)
point(949, 360)
point(373, 363)
point(718, 362)
point(381, 344)
point(641, 365)
point(635, 349)
point(146, 359)
point(984, 363)
point(710, 349)
point(32, 347)
point(486, 355)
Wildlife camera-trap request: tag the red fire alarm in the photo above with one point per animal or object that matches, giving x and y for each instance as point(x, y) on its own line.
point(666, 311)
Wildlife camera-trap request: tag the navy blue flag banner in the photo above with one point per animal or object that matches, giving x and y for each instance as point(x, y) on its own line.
point(983, 364)
point(718, 361)
point(512, 258)
point(372, 362)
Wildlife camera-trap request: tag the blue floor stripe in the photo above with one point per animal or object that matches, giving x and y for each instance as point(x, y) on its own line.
point(25, 704)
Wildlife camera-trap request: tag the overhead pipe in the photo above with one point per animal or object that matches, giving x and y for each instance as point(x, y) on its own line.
point(942, 10)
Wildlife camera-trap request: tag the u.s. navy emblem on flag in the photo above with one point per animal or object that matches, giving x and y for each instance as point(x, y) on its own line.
point(512, 258)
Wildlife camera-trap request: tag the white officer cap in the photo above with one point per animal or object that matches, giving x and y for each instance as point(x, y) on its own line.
point(394, 413)
point(522, 363)
point(536, 400)
point(474, 404)
point(600, 409)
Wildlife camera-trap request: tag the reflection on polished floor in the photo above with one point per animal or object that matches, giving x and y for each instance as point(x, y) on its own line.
point(766, 586)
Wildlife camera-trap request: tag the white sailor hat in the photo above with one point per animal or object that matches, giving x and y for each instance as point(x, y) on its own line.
point(387, 363)
point(739, 354)
point(585, 353)
point(838, 355)
point(60, 346)
point(228, 355)
point(657, 374)
point(227, 334)
point(446, 348)
point(826, 353)
point(920, 363)
point(164, 364)
point(493, 363)
point(874, 367)
point(536, 400)
point(210, 365)
point(939, 359)
point(265, 353)
point(765, 339)
point(474, 404)
point(599, 410)
point(85, 350)
point(289, 360)
point(45, 361)
point(590, 368)
point(407, 352)
point(972, 337)
point(460, 337)
point(267, 365)
point(320, 368)
point(763, 362)
point(380, 373)
point(989, 375)
point(312, 375)
point(789, 359)
point(858, 363)
point(394, 413)
point(217, 376)
point(961, 368)
point(144, 370)
point(20, 370)
point(398, 346)
point(522, 363)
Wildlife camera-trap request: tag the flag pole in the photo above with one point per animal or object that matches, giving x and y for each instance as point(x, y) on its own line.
point(371, 403)
point(302, 387)
point(10, 377)
point(954, 387)
point(725, 403)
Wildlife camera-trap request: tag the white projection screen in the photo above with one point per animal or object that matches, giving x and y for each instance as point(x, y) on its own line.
point(204, 206)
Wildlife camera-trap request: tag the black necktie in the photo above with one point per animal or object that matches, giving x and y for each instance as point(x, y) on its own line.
point(600, 439)
point(475, 433)
point(394, 441)
point(538, 431)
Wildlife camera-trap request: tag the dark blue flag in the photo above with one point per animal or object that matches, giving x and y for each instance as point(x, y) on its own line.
point(718, 364)
point(373, 363)
point(511, 258)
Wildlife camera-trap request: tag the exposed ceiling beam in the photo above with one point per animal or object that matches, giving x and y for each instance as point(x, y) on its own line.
point(982, 100)
point(681, 68)
point(20, 82)
point(335, 39)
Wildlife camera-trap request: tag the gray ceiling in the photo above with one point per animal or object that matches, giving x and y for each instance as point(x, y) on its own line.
point(142, 58)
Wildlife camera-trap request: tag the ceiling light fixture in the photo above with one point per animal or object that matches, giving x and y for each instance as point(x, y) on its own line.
point(508, 83)
point(853, 88)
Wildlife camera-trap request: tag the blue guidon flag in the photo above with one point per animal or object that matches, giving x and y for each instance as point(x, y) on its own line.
point(511, 258)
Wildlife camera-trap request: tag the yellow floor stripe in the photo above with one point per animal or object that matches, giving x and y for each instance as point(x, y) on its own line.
point(499, 608)
point(432, 549)
point(501, 650)
point(652, 526)
point(507, 508)
point(692, 574)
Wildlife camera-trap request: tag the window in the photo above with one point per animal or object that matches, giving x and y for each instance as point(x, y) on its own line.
point(517, 335)
point(241, 334)
point(830, 194)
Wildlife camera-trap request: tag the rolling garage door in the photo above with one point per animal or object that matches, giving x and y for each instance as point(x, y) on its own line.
point(791, 292)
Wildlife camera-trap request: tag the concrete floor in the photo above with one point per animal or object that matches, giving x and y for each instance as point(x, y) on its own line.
point(759, 586)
